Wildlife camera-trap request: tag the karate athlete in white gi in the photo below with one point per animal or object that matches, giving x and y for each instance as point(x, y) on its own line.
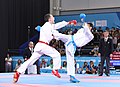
point(42, 47)
point(81, 38)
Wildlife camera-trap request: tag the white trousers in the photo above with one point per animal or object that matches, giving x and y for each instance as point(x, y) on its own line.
point(70, 59)
point(80, 40)
point(39, 50)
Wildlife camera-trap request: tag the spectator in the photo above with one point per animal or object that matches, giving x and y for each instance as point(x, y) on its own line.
point(76, 66)
point(64, 65)
point(51, 64)
point(94, 51)
point(118, 41)
point(91, 69)
point(82, 70)
point(96, 35)
point(107, 28)
point(8, 63)
point(62, 50)
point(118, 47)
point(100, 29)
point(70, 32)
point(115, 42)
point(43, 63)
point(94, 30)
point(98, 68)
point(75, 31)
point(19, 62)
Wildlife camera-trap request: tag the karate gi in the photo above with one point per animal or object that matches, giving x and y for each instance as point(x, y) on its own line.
point(42, 47)
point(81, 38)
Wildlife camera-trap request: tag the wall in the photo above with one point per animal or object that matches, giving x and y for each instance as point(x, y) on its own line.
point(88, 4)
point(65, 7)
point(15, 17)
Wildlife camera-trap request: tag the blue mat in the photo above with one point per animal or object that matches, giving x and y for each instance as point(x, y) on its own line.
point(48, 80)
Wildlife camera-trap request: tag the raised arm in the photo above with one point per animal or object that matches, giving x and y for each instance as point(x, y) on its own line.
point(63, 24)
point(60, 24)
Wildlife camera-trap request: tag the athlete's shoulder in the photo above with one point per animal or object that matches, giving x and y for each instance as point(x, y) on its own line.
point(47, 24)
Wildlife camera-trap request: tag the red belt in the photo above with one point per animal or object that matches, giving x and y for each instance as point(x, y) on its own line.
point(43, 42)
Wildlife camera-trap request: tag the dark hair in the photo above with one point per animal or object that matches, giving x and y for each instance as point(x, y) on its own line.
point(91, 62)
point(64, 62)
point(46, 17)
point(85, 62)
point(105, 31)
point(19, 62)
point(91, 25)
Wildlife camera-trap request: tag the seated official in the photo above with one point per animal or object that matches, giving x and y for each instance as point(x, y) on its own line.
point(91, 69)
point(19, 62)
point(51, 64)
point(82, 70)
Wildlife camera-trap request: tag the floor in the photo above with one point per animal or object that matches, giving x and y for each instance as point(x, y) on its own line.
point(48, 80)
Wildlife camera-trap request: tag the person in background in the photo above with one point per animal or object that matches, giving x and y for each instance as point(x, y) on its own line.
point(75, 64)
point(100, 29)
point(94, 51)
point(98, 68)
point(115, 42)
point(118, 47)
point(19, 62)
point(27, 53)
point(91, 69)
point(8, 63)
point(62, 50)
point(82, 70)
point(64, 65)
point(43, 64)
point(105, 52)
point(51, 64)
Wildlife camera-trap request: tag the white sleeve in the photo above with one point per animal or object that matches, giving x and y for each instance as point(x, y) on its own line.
point(87, 32)
point(83, 36)
point(85, 27)
point(60, 25)
point(89, 35)
point(10, 59)
point(6, 59)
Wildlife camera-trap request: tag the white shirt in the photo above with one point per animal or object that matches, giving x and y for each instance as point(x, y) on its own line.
point(31, 49)
point(83, 36)
point(8, 60)
point(47, 30)
point(106, 38)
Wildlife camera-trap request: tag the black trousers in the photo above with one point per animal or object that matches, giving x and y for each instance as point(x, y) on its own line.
point(38, 66)
point(103, 58)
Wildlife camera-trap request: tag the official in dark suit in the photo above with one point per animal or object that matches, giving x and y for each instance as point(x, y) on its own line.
point(105, 52)
point(27, 54)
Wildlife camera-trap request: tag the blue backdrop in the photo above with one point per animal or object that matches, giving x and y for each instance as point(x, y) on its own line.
point(99, 20)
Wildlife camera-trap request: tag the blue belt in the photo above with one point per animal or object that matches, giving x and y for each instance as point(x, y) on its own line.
point(73, 42)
